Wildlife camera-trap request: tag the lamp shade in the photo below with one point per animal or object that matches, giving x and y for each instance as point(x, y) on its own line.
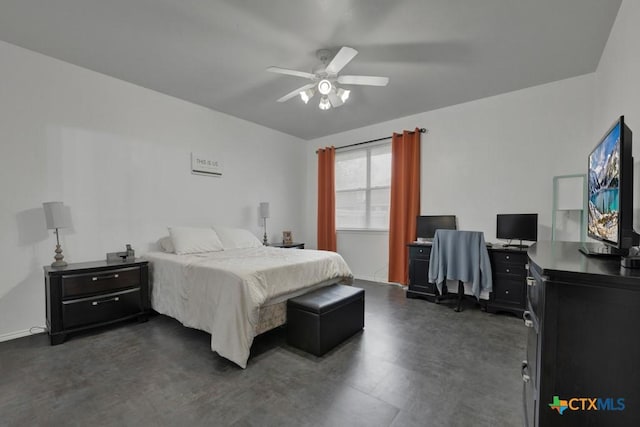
point(264, 210)
point(56, 215)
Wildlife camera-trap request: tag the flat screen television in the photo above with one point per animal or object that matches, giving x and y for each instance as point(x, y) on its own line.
point(517, 227)
point(426, 225)
point(610, 193)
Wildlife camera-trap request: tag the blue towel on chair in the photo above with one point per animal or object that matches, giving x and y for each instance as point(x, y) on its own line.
point(460, 255)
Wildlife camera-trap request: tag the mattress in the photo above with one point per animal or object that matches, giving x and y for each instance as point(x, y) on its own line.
point(223, 292)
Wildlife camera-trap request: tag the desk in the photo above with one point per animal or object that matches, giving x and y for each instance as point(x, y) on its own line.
point(508, 268)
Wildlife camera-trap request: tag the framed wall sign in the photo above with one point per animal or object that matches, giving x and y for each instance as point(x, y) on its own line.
point(205, 165)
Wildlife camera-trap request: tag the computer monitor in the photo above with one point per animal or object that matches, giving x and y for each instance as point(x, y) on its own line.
point(517, 227)
point(426, 225)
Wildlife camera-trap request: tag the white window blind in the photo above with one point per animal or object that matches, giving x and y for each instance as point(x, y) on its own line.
point(363, 183)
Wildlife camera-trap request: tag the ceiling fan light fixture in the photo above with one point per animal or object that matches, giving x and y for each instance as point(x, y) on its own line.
point(324, 86)
point(326, 78)
point(343, 94)
point(306, 95)
point(324, 103)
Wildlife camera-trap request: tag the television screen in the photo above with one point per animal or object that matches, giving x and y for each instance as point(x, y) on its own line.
point(428, 224)
point(604, 188)
point(517, 226)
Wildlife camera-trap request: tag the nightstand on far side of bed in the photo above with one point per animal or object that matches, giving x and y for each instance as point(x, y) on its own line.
point(295, 245)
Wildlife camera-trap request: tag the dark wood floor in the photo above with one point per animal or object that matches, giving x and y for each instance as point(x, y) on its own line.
point(415, 364)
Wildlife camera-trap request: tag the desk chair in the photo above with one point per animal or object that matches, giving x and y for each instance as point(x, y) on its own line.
point(462, 256)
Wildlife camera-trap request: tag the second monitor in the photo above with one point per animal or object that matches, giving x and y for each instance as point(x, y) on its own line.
point(426, 225)
point(517, 227)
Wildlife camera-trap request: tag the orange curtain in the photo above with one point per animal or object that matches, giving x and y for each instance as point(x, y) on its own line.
point(405, 201)
point(327, 199)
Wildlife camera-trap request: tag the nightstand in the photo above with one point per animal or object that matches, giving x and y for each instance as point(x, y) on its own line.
point(90, 294)
point(295, 245)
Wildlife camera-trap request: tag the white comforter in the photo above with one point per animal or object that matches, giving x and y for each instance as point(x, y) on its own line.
point(221, 292)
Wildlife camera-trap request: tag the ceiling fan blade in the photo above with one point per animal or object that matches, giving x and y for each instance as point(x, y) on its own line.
point(289, 72)
point(296, 92)
point(342, 58)
point(335, 99)
point(363, 80)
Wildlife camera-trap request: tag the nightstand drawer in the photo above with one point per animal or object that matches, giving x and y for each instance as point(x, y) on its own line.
point(508, 290)
point(510, 257)
point(510, 268)
point(101, 308)
point(422, 252)
point(74, 285)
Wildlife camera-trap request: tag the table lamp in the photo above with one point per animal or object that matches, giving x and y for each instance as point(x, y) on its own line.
point(56, 217)
point(264, 214)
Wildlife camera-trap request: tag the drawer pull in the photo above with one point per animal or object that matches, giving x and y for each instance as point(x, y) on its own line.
point(527, 319)
point(95, 278)
point(105, 300)
point(524, 371)
point(506, 292)
point(507, 257)
point(531, 281)
point(508, 270)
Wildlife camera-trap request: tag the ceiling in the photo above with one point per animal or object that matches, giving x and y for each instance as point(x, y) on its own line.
point(214, 52)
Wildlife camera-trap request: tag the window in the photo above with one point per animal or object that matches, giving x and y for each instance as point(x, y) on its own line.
point(363, 185)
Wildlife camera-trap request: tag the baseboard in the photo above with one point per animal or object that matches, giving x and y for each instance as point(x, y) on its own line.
point(16, 334)
point(372, 279)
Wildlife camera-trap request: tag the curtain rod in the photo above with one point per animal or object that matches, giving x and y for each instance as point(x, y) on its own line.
point(421, 130)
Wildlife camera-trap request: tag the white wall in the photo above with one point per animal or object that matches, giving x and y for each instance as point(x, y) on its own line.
point(617, 85)
point(493, 155)
point(119, 156)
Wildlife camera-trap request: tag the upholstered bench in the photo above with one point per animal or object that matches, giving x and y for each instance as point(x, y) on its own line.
point(322, 319)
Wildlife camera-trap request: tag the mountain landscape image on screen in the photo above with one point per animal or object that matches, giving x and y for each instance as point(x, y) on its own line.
point(604, 187)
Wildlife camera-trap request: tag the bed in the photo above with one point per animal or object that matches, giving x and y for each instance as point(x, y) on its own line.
point(237, 293)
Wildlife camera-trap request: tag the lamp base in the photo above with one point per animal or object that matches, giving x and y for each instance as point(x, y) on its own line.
point(59, 258)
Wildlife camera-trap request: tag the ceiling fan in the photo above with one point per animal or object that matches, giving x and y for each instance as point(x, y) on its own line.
point(325, 78)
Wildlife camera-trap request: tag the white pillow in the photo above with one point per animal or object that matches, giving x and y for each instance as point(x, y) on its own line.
point(190, 240)
point(166, 245)
point(237, 238)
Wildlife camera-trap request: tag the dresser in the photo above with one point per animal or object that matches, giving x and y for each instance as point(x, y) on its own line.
point(583, 347)
point(90, 294)
point(508, 268)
